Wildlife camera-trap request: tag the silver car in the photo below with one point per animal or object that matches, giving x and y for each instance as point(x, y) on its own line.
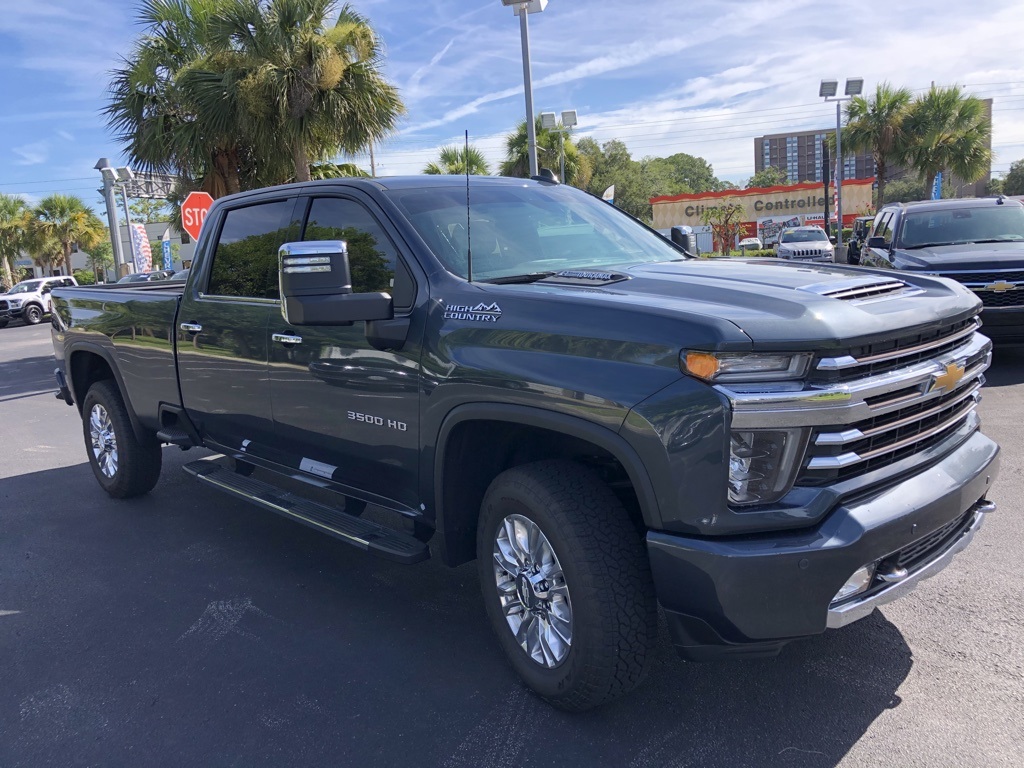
point(805, 244)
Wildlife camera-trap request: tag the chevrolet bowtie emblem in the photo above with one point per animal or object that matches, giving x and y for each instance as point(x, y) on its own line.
point(948, 379)
point(1000, 287)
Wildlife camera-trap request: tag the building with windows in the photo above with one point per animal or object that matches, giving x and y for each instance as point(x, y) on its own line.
point(800, 155)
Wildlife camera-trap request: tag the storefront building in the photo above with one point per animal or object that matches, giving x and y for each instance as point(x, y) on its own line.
point(767, 210)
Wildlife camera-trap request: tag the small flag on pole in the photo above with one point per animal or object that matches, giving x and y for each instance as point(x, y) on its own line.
point(140, 249)
point(165, 247)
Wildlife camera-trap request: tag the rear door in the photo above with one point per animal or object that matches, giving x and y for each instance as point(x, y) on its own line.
point(343, 409)
point(223, 321)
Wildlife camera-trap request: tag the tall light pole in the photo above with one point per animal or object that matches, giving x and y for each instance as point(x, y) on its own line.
point(549, 122)
point(827, 91)
point(524, 8)
point(110, 179)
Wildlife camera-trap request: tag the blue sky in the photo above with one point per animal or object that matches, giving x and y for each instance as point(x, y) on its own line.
point(664, 76)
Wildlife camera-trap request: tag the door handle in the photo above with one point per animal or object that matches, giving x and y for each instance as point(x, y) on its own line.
point(285, 338)
point(191, 327)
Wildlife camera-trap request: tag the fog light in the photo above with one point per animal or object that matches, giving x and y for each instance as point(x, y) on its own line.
point(857, 583)
point(762, 464)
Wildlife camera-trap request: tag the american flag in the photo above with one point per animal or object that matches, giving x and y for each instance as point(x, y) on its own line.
point(140, 249)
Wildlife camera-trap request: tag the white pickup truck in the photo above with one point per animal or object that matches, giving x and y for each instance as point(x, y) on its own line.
point(30, 300)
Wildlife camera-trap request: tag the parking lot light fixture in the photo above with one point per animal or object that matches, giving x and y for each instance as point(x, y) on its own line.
point(522, 9)
point(828, 91)
point(549, 122)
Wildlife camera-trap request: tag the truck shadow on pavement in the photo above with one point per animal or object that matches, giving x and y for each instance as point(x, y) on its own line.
point(187, 628)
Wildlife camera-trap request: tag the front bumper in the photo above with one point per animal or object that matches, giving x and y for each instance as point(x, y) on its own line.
point(749, 595)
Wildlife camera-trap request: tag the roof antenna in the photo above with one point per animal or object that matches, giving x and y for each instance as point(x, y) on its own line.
point(469, 247)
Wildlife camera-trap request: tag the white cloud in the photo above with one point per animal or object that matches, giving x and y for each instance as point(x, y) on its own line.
point(32, 154)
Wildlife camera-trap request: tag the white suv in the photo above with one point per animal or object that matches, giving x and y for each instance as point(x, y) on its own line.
point(805, 244)
point(30, 300)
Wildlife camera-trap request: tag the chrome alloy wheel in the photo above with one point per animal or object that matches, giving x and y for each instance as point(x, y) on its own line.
point(104, 441)
point(532, 590)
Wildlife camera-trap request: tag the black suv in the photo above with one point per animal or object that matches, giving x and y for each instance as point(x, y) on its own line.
point(977, 242)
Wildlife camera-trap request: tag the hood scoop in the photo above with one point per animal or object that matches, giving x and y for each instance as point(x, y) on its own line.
point(585, 277)
point(862, 289)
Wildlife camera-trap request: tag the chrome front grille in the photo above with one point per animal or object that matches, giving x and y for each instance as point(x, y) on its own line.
point(872, 359)
point(995, 288)
point(857, 426)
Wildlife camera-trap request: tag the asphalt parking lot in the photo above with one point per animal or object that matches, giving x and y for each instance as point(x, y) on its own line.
point(186, 628)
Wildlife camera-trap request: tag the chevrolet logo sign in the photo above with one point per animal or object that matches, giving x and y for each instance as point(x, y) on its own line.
point(948, 379)
point(1000, 287)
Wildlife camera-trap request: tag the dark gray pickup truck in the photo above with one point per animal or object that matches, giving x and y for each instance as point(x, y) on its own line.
point(520, 374)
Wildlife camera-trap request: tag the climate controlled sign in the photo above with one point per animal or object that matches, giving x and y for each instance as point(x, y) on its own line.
point(193, 212)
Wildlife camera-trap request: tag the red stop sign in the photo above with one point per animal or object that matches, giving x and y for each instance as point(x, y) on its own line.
point(193, 212)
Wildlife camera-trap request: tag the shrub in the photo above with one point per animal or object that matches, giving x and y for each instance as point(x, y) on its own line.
point(85, 277)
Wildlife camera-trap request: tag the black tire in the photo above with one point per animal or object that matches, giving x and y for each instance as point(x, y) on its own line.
point(136, 466)
point(607, 575)
point(32, 314)
point(3, 323)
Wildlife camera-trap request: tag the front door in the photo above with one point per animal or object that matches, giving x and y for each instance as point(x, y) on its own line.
point(223, 322)
point(343, 409)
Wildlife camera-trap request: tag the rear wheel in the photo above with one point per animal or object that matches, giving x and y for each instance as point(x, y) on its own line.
point(123, 465)
point(566, 583)
point(32, 314)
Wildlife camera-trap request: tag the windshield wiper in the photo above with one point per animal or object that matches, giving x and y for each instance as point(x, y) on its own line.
point(1000, 240)
point(529, 277)
point(927, 245)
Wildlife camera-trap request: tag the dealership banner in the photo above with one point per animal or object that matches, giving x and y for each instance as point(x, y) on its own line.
point(141, 250)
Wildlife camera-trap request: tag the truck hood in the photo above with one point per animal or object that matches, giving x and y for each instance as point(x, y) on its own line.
point(979, 257)
point(777, 304)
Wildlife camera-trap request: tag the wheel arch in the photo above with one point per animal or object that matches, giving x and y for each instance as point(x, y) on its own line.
point(88, 363)
point(464, 468)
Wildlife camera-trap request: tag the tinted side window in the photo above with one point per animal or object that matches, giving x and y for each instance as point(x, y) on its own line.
point(373, 258)
point(245, 262)
point(887, 227)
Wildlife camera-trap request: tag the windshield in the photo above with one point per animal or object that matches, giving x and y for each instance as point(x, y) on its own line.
point(522, 230)
point(29, 286)
point(803, 236)
point(998, 223)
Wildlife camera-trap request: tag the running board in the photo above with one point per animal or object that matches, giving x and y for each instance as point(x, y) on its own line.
point(366, 535)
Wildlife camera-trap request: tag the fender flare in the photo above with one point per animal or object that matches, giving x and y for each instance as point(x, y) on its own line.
point(541, 418)
point(141, 433)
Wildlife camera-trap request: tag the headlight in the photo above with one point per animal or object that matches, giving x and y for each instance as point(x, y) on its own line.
point(14, 303)
point(748, 366)
point(762, 464)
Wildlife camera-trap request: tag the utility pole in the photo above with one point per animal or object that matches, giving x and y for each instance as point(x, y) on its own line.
point(826, 167)
point(373, 165)
point(109, 175)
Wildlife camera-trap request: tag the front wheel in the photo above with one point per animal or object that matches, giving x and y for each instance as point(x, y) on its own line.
point(32, 314)
point(124, 465)
point(566, 583)
point(3, 323)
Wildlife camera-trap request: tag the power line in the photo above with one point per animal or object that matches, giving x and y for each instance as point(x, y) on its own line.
point(41, 181)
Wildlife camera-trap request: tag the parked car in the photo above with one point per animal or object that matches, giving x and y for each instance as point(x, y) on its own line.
point(751, 244)
point(768, 449)
point(977, 242)
point(147, 277)
point(181, 274)
point(808, 243)
point(861, 228)
point(30, 300)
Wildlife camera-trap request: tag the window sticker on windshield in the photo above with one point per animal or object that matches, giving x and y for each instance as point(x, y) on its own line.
point(481, 313)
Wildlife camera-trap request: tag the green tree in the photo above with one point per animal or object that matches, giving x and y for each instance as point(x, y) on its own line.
point(58, 222)
point(236, 94)
point(911, 189)
point(336, 171)
point(14, 222)
point(517, 157)
point(145, 211)
point(612, 164)
point(948, 130)
point(769, 176)
point(681, 173)
point(452, 160)
point(725, 220)
point(308, 87)
point(100, 257)
point(876, 125)
point(1013, 183)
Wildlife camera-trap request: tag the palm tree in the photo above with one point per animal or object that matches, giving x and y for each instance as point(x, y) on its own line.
point(453, 161)
point(517, 158)
point(156, 114)
point(308, 88)
point(14, 218)
point(60, 221)
point(948, 130)
point(877, 126)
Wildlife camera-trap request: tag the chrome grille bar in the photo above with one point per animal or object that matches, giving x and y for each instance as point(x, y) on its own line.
point(846, 361)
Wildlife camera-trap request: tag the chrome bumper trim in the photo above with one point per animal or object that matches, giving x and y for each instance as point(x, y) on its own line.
point(847, 403)
point(847, 613)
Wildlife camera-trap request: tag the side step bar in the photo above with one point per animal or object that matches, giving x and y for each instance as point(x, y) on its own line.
point(366, 535)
